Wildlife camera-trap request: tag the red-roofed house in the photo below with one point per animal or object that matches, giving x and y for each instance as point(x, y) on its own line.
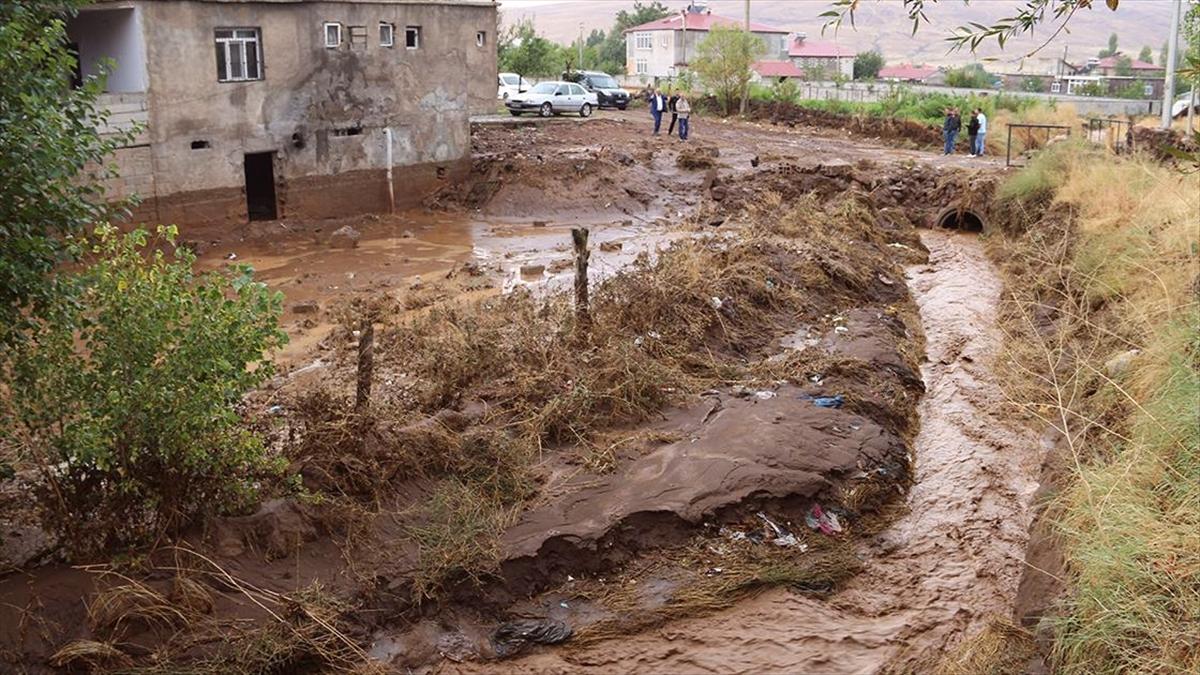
point(1107, 66)
point(775, 71)
point(665, 47)
point(906, 72)
point(820, 60)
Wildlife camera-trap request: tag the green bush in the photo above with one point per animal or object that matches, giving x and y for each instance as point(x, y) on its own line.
point(124, 398)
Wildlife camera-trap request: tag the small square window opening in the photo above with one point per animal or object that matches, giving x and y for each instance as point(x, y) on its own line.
point(480, 38)
point(387, 34)
point(358, 38)
point(333, 35)
point(412, 37)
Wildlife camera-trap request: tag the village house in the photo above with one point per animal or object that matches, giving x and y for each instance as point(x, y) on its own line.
point(279, 108)
point(1106, 77)
point(906, 72)
point(820, 60)
point(665, 47)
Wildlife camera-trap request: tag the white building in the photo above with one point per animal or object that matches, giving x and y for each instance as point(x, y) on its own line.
point(667, 46)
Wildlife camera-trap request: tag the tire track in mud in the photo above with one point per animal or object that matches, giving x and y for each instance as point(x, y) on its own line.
point(939, 573)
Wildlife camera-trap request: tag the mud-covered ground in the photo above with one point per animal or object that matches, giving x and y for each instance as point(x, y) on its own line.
point(777, 449)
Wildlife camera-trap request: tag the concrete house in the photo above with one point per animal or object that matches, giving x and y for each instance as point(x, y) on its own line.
point(261, 109)
point(665, 47)
point(821, 60)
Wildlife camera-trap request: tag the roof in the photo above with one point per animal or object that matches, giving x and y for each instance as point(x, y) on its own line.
point(810, 48)
point(905, 71)
point(702, 21)
point(1111, 62)
point(777, 69)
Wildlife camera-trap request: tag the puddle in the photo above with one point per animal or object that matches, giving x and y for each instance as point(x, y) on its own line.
point(938, 574)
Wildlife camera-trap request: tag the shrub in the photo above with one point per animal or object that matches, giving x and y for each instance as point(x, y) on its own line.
point(124, 399)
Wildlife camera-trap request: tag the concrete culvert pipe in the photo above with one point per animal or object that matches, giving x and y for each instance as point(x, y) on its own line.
point(960, 219)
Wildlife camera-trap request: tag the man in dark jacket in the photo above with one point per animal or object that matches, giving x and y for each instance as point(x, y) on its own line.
point(950, 129)
point(658, 103)
point(674, 115)
point(973, 131)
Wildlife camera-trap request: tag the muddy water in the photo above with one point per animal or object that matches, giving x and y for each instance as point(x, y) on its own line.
point(938, 574)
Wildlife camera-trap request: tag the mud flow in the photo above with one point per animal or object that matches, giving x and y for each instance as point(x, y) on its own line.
point(773, 443)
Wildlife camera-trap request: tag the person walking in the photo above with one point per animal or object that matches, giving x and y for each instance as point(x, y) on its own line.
point(981, 137)
point(684, 110)
point(950, 129)
point(973, 130)
point(674, 115)
point(657, 105)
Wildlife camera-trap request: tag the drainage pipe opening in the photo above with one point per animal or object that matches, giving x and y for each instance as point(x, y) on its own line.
point(960, 219)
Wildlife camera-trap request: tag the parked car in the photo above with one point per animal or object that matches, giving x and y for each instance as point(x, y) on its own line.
point(511, 83)
point(550, 98)
point(609, 94)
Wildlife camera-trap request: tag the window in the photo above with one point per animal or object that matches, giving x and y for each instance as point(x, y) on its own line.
point(333, 35)
point(1055, 87)
point(239, 56)
point(387, 34)
point(480, 38)
point(643, 40)
point(642, 67)
point(577, 90)
point(1147, 89)
point(358, 38)
point(412, 37)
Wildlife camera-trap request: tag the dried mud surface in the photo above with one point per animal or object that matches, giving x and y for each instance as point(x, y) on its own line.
point(936, 575)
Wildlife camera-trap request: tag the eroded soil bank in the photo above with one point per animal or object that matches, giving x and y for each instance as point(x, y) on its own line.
point(937, 575)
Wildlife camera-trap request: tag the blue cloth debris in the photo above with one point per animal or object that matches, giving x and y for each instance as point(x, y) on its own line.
point(825, 401)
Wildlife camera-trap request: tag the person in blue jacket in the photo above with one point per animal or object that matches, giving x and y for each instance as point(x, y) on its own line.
point(950, 129)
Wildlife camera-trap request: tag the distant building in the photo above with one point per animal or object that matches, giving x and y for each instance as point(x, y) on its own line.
point(667, 47)
point(775, 71)
point(263, 109)
point(821, 60)
point(1095, 77)
point(907, 72)
point(1107, 67)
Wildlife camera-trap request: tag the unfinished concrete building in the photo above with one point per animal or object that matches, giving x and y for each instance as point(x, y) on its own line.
point(263, 109)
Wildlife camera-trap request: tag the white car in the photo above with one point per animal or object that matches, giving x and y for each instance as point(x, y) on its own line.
point(511, 83)
point(549, 98)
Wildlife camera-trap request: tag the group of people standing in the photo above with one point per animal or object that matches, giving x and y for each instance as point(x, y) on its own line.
point(976, 131)
point(676, 104)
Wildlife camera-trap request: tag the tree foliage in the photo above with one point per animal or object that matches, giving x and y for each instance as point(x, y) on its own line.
point(1112, 48)
point(1032, 84)
point(51, 157)
point(1124, 66)
point(521, 50)
point(1146, 55)
point(867, 65)
point(971, 76)
point(124, 397)
point(723, 63)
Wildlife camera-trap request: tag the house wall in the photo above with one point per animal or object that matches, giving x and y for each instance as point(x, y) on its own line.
point(672, 47)
point(308, 91)
point(831, 65)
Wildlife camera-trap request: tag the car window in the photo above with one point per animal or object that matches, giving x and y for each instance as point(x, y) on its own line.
point(561, 91)
point(577, 90)
point(603, 82)
point(545, 88)
point(510, 79)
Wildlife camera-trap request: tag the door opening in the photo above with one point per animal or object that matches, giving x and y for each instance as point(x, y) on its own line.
point(260, 186)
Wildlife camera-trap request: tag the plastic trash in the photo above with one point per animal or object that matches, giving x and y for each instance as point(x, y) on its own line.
point(826, 401)
point(822, 521)
point(513, 636)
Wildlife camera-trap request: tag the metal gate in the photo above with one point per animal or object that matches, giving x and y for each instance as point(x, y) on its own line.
point(1114, 134)
point(1030, 138)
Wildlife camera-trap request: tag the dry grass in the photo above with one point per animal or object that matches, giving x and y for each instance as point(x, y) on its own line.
point(1112, 268)
point(999, 649)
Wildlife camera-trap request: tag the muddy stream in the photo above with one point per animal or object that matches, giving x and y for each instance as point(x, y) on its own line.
point(939, 573)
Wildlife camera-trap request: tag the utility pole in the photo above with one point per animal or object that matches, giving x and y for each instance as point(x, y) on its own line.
point(580, 66)
point(1172, 57)
point(746, 88)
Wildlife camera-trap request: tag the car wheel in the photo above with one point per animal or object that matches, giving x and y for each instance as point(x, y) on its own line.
point(515, 113)
point(621, 107)
point(546, 110)
point(586, 110)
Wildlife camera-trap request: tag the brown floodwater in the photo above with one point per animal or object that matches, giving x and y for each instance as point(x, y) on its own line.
point(939, 573)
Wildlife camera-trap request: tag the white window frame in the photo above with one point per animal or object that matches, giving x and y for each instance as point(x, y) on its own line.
point(415, 31)
point(480, 38)
point(1055, 87)
point(325, 34)
point(641, 66)
point(388, 29)
point(643, 40)
point(1147, 89)
point(240, 40)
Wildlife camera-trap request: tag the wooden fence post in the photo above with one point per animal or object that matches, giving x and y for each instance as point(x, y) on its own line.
point(366, 362)
point(579, 235)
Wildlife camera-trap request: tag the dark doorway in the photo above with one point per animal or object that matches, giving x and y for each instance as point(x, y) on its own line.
point(260, 186)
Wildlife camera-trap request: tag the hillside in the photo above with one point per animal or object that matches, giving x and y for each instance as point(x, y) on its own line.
point(884, 25)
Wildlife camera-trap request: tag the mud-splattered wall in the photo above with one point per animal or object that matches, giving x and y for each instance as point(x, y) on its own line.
point(309, 96)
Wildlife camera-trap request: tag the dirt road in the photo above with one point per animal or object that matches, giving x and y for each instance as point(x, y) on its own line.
point(937, 574)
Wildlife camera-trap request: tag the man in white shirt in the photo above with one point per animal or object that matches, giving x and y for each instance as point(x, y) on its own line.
point(979, 144)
